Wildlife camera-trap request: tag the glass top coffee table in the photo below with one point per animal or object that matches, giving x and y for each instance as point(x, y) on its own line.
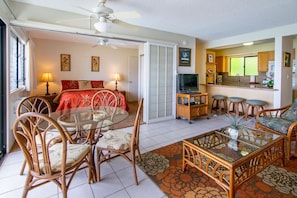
point(232, 162)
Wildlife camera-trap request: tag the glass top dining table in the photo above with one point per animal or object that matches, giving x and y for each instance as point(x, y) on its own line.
point(84, 125)
point(88, 121)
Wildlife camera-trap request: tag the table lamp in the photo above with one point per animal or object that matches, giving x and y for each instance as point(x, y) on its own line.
point(116, 77)
point(47, 77)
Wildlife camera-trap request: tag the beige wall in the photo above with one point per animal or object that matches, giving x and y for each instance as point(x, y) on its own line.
point(47, 59)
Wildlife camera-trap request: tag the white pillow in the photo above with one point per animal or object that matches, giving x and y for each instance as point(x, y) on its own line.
point(84, 84)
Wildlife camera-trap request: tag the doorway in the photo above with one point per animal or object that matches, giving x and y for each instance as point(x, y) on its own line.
point(132, 79)
point(2, 91)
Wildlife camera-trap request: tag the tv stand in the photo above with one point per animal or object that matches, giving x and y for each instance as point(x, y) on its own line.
point(191, 105)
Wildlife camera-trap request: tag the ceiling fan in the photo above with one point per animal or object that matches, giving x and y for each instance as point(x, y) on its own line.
point(105, 14)
point(104, 42)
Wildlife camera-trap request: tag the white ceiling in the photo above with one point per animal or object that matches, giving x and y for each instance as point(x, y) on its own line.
point(203, 19)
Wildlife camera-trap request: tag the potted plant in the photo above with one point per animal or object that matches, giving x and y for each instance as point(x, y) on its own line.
point(236, 122)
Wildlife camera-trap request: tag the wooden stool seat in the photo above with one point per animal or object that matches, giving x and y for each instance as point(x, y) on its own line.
point(219, 102)
point(254, 104)
point(234, 105)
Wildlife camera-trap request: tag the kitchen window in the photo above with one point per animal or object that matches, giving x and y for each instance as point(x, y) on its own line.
point(244, 66)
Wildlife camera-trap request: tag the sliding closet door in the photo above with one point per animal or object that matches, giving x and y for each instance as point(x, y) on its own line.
point(161, 83)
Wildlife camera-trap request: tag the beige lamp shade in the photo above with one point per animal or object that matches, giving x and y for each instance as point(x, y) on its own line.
point(47, 77)
point(116, 77)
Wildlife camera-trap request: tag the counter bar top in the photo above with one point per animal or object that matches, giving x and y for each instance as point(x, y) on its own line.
point(242, 85)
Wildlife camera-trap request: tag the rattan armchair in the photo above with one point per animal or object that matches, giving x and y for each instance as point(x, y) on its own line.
point(35, 104)
point(281, 121)
point(50, 162)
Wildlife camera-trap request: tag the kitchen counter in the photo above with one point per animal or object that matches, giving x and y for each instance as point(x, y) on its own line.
point(243, 85)
point(246, 91)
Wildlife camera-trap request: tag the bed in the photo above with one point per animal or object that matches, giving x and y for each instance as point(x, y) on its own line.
point(79, 93)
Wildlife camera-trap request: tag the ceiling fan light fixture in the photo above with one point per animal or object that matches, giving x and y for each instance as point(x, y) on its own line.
point(101, 26)
point(102, 42)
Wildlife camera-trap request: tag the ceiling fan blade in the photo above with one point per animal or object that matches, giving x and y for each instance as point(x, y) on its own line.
point(127, 15)
point(84, 9)
point(97, 32)
point(113, 47)
point(105, 14)
point(72, 20)
point(124, 24)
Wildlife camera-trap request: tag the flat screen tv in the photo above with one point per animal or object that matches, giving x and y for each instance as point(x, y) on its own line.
point(188, 83)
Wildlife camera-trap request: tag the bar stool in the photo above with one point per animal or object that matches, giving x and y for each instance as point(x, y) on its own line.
point(219, 102)
point(254, 104)
point(234, 104)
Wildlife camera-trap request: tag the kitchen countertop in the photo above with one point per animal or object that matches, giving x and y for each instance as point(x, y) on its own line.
point(243, 85)
point(243, 90)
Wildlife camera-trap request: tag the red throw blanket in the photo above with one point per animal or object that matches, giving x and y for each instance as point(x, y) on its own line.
point(82, 98)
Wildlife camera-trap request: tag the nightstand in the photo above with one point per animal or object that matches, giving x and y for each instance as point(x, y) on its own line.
point(123, 92)
point(51, 98)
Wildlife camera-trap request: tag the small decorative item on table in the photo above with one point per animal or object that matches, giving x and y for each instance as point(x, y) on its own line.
point(233, 144)
point(236, 123)
point(270, 84)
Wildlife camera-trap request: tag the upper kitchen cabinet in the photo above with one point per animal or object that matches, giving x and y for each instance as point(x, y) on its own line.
point(221, 64)
point(263, 59)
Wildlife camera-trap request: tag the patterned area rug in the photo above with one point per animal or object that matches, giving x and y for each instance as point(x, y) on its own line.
point(163, 166)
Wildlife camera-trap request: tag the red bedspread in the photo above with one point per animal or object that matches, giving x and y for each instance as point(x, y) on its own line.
point(82, 98)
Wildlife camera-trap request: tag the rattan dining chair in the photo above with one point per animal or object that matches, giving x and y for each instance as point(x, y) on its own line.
point(35, 104)
point(120, 143)
point(56, 163)
point(38, 105)
point(105, 101)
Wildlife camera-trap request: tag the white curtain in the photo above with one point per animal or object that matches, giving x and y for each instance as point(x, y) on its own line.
point(31, 81)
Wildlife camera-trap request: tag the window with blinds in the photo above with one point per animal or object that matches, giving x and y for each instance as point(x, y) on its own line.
point(17, 63)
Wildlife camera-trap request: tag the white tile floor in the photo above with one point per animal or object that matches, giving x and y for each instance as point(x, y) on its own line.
point(116, 176)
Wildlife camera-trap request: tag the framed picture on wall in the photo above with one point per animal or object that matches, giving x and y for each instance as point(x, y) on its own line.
point(65, 62)
point(287, 59)
point(210, 58)
point(95, 63)
point(184, 56)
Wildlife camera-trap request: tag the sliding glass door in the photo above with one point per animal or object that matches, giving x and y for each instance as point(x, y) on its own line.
point(2, 91)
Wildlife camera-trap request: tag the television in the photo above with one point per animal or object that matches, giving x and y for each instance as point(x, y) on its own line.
point(188, 83)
